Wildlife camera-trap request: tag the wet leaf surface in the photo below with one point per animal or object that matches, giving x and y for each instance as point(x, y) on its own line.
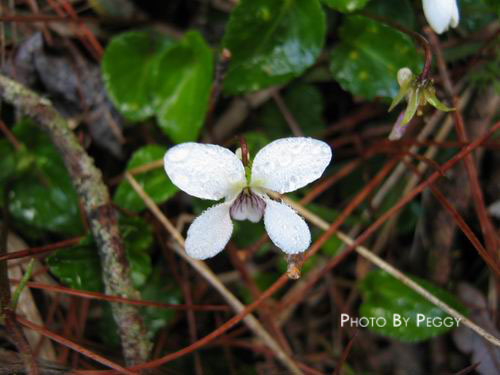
point(384, 296)
point(271, 42)
point(369, 56)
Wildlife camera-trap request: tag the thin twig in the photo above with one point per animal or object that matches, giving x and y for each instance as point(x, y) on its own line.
point(103, 297)
point(287, 114)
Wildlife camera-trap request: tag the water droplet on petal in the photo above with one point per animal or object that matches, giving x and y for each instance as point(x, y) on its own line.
point(268, 166)
point(177, 154)
point(181, 179)
point(204, 178)
point(297, 149)
point(285, 160)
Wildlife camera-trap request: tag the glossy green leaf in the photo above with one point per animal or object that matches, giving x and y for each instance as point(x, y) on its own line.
point(305, 103)
point(272, 42)
point(155, 182)
point(128, 69)
point(346, 6)
point(384, 296)
point(42, 198)
point(369, 56)
point(182, 90)
point(78, 267)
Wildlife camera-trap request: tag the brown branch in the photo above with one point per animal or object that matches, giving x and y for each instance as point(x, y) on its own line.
point(94, 195)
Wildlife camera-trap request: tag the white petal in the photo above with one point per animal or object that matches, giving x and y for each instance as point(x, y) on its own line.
point(210, 232)
point(440, 13)
point(287, 230)
point(204, 171)
point(290, 163)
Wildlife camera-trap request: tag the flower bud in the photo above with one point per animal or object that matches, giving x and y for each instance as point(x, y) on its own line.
point(404, 75)
point(441, 14)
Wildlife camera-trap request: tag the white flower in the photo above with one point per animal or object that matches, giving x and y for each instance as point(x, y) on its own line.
point(213, 172)
point(441, 14)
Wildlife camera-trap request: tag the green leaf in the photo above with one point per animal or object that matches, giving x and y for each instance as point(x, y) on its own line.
point(155, 182)
point(384, 296)
point(272, 42)
point(78, 267)
point(369, 56)
point(42, 198)
point(128, 67)
point(305, 103)
point(182, 90)
point(138, 238)
point(346, 6)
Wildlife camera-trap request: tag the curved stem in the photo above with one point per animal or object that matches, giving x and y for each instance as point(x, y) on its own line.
point(424, 43)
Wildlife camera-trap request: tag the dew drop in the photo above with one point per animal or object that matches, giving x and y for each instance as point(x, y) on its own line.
point(177, 154)
point(297, 149)
point(204, 178)
point(268, 166)
point(316, 150)
point(181, 179)
point(285, 160)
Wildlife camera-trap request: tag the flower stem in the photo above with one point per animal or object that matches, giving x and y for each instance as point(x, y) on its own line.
point(244, 151)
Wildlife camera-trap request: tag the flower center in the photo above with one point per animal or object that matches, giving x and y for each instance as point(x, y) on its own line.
point(248, 206)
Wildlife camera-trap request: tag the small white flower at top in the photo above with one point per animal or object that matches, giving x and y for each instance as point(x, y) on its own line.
point(213, 172)
point(441, 14)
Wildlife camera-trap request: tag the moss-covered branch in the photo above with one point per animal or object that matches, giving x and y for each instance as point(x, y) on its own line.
point(94, 195)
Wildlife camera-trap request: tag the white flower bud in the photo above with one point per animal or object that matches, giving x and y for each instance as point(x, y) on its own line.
point(441, 14)
point(404, 74)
